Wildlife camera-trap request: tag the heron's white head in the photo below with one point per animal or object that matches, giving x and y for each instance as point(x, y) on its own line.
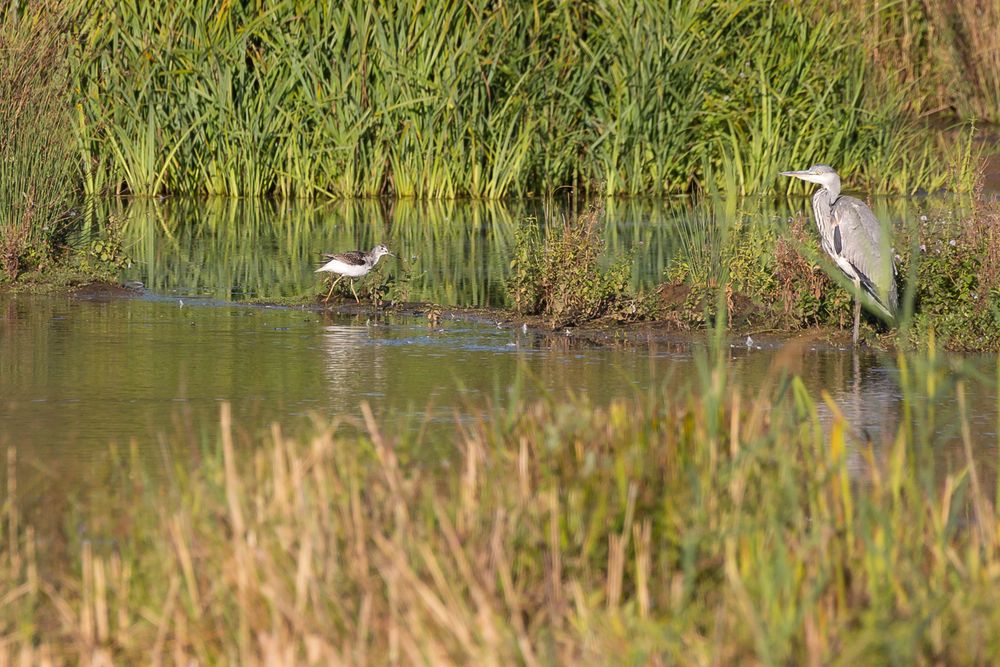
point(820, 174)
point(380, 250)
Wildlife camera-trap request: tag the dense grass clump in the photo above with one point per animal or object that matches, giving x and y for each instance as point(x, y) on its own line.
point(491, 100)
point(37, 153)
point(480, 99)
point(701, 524)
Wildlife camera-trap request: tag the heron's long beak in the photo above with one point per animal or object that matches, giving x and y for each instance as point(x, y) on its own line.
point(797, 174)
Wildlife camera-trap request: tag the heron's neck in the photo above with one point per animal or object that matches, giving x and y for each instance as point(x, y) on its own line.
point(834, 190)
point(823, 213)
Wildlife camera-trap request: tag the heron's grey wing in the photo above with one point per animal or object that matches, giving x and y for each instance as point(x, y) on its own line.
point(859, 238)
point(353, 257)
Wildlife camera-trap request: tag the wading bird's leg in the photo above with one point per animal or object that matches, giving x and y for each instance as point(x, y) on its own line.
point(332, 285)
point(353, 292)
point(857, 318)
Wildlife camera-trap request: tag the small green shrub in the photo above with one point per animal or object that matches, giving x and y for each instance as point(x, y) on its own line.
point(749, 258)
point(391, 287)
point(957, 273)
point(106, 256)
point(562, 279)
point(524, 287)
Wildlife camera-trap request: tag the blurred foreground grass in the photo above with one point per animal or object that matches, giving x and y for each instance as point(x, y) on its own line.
point(701, 524)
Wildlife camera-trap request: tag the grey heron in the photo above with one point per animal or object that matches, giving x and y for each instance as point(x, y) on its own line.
point(352, 264)
point(851, 235)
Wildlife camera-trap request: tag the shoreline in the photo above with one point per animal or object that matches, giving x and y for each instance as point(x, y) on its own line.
point(605, 332)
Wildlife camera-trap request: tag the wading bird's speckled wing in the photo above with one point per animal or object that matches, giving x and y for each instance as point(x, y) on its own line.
point(353, 257)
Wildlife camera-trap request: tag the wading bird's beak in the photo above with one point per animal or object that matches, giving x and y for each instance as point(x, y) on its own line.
point(796, 174)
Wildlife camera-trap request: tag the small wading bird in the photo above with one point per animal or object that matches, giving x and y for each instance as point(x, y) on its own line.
point(352, 264)
point(853, 237)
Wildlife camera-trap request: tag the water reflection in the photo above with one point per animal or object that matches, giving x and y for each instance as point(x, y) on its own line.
point(867, 388)
point(454, 252)
point(353, 369)
point(870, 401)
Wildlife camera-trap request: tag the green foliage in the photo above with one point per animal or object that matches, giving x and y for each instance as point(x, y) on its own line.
point(967, 161)
point(790, 90)
point(108, 252)
point(955, 264)
point(524, 286)
point(36, 150)
point(562, 278)
point(749, 257)
point(395, 287)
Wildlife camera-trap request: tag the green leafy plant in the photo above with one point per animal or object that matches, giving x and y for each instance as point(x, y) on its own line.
point(524, 284)
point(108, 252)
point(392, 288)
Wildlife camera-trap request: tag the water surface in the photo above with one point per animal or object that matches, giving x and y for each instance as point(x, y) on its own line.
point(79, 373)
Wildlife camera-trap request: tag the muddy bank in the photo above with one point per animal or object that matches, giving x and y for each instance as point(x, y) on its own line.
point(750, 327)
point(748, 331)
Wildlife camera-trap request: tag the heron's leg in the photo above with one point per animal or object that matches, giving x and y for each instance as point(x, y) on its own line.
point(332, 285)
point(857, 318)
point(353, 292)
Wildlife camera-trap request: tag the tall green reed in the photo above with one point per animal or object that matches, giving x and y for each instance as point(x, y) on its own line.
point(36, 141)
point(476, 99)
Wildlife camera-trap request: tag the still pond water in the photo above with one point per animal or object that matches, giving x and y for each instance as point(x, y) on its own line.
point(81, 373)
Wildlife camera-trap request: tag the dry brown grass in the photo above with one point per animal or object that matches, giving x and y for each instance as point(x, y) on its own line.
point(796, 275)
point(946, 54)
